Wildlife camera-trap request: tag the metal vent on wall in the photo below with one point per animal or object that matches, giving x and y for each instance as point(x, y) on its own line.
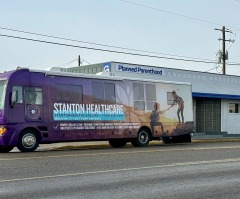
point(208, 115)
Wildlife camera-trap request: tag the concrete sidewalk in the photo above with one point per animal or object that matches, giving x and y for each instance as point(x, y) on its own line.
point(105, 144)
point(72, 145)
point(69, 145)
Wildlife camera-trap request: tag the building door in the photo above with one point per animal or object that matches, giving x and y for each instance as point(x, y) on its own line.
point(208, 115)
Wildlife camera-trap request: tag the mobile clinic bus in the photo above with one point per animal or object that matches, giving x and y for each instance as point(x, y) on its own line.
point(49, 107)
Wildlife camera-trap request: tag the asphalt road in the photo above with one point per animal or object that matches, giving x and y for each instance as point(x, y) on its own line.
point(197, 170)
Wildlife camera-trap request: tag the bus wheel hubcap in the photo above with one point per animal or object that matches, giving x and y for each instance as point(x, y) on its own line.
point(143, 137)
point(29, 140)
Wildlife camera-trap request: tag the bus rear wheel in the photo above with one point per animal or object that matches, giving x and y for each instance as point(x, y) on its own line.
point(142, 138)
point(6, 149)
point(117, 143)
point(28, 141)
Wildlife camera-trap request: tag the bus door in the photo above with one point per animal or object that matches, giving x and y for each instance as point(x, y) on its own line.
point(33, 100)
point(16, 112)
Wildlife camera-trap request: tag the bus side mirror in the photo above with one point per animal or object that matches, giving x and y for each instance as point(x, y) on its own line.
point(14, 98)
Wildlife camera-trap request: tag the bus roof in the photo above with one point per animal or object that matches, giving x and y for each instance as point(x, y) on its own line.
point(94, 76)
point(104, 76)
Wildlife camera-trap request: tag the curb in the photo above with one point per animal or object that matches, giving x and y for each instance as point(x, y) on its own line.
point(96, 145)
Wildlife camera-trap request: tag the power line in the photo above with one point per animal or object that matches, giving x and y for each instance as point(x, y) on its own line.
point(172, 13)
point(213, 68)
point(98, 44)
point(112, 51)
point(66, 64)
point(85, 61)
point(176, 14)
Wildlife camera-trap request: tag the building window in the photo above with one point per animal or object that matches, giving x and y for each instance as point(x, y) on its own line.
point(234, 108)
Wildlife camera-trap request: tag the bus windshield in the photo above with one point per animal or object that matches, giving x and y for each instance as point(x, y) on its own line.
point(2, 92)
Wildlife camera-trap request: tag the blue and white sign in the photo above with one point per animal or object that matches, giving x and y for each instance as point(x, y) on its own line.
point(139, 69)
point(107, 67)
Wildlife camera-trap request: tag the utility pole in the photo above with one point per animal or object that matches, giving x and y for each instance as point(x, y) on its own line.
point(223, 51)
point(224, 57)
point(79, 60)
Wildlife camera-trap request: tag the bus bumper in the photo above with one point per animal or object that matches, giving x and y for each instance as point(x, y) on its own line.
point(7, 138)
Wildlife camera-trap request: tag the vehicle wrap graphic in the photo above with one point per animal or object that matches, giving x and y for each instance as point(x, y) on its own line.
point(33, 112)
point(73, 111)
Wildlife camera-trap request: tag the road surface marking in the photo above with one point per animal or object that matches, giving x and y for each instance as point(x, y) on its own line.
point(123, 152)
point(121, 170)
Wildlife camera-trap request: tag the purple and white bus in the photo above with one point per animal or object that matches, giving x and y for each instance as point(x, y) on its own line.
point(49, 107)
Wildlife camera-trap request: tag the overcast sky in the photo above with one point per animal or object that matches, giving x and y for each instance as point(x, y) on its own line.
point(181, 28)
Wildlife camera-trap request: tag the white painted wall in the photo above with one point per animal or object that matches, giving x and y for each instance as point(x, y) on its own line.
point(230, 121)
point(201, 82)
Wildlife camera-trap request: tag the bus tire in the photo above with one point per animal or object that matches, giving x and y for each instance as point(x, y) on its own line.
point(142, 138)
point(166, 140)
point(182, 138)
point(28, 141)
point(117, 143)
point(187, 138)
point(6, 149)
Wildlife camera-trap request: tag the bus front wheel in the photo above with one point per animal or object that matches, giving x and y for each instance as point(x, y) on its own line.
point(142, 138)
point(6, 149)
point(28, 141)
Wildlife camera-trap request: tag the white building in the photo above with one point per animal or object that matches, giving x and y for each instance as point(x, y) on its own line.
point(216, 97)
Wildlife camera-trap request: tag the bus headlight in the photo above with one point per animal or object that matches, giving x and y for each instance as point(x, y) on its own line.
point(2, 130)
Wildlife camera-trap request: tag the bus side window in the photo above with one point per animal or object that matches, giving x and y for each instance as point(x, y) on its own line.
point(33, 96)
point(62, 93)
point(39, 96)
point(138, 96)
point(69, 93)
point(109, 90)
point(97, 92)
point(76, 93)
point(103, 92)
point(150, 96)
point(18, 90)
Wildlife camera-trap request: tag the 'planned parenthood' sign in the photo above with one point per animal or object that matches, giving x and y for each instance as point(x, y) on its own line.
point(139, 69)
